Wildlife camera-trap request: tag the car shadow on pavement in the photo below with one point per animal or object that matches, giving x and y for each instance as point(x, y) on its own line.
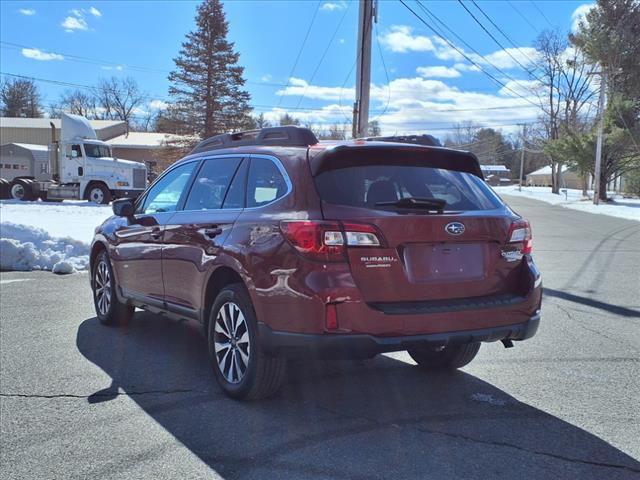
point(379, 418)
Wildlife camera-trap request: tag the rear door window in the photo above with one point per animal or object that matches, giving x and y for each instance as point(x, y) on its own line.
point(368, 185)
point(265, 183)
point(212, 183)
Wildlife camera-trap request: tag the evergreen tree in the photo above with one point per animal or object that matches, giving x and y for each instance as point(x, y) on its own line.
point(207, 81)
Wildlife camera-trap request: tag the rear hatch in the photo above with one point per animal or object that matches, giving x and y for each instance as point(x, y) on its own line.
point(442, 231)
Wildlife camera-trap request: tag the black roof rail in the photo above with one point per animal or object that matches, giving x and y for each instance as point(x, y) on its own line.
point(427, 140)
point(288, 136)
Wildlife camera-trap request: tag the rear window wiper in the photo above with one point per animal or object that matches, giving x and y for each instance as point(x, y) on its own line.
point(422, 203)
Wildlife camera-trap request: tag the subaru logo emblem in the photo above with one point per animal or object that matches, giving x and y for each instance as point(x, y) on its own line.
point(454, 228)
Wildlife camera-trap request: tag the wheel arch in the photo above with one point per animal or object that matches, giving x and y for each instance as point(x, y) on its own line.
point(220, 278)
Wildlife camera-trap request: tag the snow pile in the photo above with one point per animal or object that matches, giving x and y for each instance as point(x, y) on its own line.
point(73, 219)
point(25, 248)
point(571, 198)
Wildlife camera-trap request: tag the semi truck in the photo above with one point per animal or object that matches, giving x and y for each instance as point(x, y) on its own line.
point(76, 167)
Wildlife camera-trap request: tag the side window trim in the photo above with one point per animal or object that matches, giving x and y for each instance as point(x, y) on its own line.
point(282, 171)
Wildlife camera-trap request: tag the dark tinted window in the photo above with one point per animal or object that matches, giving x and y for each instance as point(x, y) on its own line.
point(165, 194)
point(211, 184)
point(365, 185)
point(236, 194)
point(265, 183)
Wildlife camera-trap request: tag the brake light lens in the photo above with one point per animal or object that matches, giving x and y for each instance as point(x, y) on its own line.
point(327, 241)
point(520, 232)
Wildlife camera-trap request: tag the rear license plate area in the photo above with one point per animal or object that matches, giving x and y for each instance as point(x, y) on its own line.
point(444, 262)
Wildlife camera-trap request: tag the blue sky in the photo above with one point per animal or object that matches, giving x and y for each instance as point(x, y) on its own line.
point(430, 84)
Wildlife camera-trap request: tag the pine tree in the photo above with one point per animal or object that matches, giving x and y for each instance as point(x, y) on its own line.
point(207, 82)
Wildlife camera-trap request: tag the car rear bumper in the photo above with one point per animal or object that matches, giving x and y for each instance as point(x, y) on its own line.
point(336, 345)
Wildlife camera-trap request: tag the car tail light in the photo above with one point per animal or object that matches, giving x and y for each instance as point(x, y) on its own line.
point(328, 241)
point(520, 232)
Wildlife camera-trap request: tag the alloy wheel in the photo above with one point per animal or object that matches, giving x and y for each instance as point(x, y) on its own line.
point(231, 342)
point(103, 288)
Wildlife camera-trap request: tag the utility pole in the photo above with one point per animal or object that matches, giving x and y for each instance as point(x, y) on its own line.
point(598, 169)
point(363, 72)
point(524, 141)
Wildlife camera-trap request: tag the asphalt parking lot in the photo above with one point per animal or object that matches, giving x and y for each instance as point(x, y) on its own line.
point(80, 400)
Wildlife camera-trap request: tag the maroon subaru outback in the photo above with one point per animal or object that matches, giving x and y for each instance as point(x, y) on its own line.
point(281, 246)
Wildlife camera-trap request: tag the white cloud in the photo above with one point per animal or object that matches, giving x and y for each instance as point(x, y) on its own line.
point(112, 67)
point(298, 86)
point(466, 67)
point(331, 6)
point(266, 77)
point(399, 39)
point(71, 24)
point(95, 12)
point(579, 14)
point(415, 105)
point(438, 72)
point(158, 105)
point(27, 11)
point(37, 54)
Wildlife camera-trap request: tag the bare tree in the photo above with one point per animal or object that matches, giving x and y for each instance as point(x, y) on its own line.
point(119, 99)
point(564, 91)
point(20, 98)
point(76, 102)
point(462, 134)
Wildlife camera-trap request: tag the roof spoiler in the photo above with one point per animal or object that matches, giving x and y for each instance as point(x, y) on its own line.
point(288, 136)
point(425, 140)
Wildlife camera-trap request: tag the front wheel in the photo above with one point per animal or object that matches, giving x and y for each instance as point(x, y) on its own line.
point(21, 189)
point(450, 357)
point(242, 368)
point(98, 193)
point(109, 310)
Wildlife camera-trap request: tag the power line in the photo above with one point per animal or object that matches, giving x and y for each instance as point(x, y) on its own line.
point(461, 52)
point(523, 17)
point(506, 50)
point(507, 37)
point(335, 32)
point(542, 13)
point(304, 42)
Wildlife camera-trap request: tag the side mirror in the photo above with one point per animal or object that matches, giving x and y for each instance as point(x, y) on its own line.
point(123, 207)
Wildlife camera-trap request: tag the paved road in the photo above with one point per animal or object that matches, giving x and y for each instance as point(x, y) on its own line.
point(80, 400)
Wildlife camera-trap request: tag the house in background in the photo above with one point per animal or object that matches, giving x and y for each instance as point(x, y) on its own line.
point(542, 178)
point(496, 174)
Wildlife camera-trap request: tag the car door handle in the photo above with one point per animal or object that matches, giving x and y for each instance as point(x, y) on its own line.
point(156, 233)
point(212, 231)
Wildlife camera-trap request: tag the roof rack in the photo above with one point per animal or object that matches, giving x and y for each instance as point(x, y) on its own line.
point(289, 136)
point(427, 140)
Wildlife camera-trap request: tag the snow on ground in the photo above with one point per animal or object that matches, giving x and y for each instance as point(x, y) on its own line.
point(48, 236)
point(619, 207)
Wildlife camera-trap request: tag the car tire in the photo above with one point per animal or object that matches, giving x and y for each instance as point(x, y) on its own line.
point(98, 193)
point(242, 368)
point(21, 189)
point(449, 358)
point(109, 310)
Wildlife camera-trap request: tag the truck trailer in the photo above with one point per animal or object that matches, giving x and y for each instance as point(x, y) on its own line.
point(76, 167)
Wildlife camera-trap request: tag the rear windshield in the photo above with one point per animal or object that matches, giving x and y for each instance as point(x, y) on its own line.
point(367, 185)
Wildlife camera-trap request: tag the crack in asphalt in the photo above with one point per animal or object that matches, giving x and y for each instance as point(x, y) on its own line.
point(410, 423)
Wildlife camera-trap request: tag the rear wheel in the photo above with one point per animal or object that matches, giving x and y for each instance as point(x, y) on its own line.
point(21, 189)
point(242, 368)
point(98, 193)
point(449, 358)
point(109, 310)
